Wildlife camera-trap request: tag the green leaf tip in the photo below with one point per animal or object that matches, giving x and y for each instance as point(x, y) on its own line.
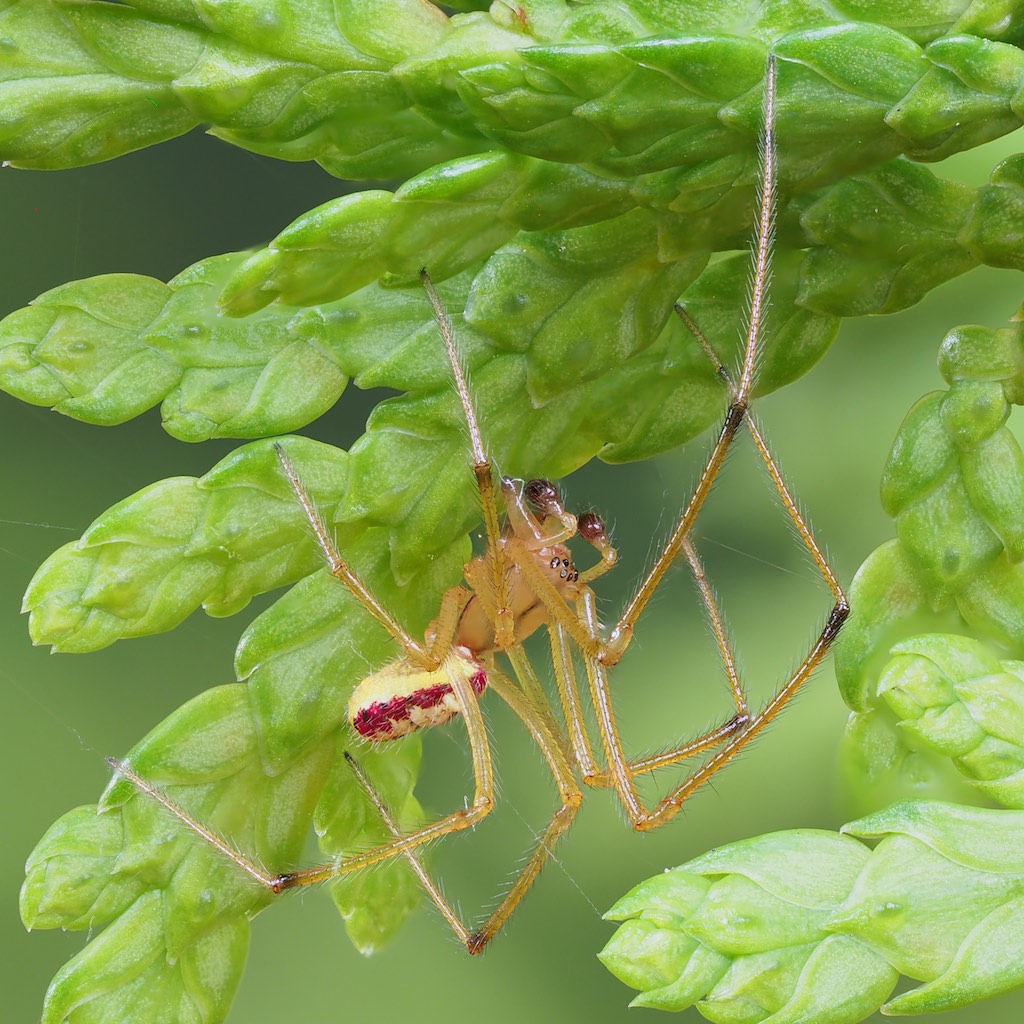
point(126, 973)
point(106, 349)
point(952, 695)
point(69, 878)
point(810, 926)
point(215, 541)
point(746, 938)
point(937, 610)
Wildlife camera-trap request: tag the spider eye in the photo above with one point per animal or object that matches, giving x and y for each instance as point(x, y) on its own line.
point(554, 562)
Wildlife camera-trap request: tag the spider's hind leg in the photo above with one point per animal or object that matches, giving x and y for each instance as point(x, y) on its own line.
point(551, 747)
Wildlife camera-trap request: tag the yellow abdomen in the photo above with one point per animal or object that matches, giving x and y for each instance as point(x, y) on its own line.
point(403, 697)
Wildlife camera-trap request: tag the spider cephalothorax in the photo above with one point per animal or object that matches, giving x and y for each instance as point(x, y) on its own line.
point(405, 695)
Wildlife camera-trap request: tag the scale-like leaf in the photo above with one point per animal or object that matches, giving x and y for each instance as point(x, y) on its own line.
point(574, 168)
point(808, 926)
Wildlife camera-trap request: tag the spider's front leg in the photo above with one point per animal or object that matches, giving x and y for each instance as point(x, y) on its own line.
point(600, 653)
point(442, 634)
point(743, 727)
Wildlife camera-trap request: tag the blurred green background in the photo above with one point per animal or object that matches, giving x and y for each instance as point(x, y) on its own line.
point(158, 211)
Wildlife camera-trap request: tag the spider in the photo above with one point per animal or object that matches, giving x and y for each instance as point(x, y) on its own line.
point(524, 579)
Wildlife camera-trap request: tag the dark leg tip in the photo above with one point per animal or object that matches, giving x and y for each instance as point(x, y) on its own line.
point(738, 723)
point(839, 615)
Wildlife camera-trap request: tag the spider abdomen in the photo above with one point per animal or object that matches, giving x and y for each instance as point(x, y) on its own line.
point(403, 697)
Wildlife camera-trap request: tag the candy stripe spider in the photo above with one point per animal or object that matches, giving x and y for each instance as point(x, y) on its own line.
point(524, 579)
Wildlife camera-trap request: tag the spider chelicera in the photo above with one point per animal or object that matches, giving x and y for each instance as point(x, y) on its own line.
point(524, 579)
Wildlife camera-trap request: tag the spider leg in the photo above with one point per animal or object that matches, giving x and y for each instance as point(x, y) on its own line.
point(714, 737)
point(652, 762)
point(445, 626)
point(431, 655)
point(465, 936)
point(778, 481)
point(592, 775)
point(483, 801)
point(586, 632)
point(572, 711)
point(567, 624)
point(739, 697)
point(571, 796)
point(621, 634)
point(531, 687)
point(742, 728)
point(504, 624)
point(620, 772)
point(583, 627)
point(570, 626)
point(453, 601)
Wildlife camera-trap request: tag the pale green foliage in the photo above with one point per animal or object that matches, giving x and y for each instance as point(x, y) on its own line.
point(571, 169)
point(809, 926)
point(954, 696)
point(955, 484)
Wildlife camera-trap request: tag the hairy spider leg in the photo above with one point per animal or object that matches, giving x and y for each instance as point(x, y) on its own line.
point(483, 801)
point(591, 528)
point(587, 634)
point(582, 626)
point(621, 633)
point(552, 747)
point(429, 656)
point(504, 621)
point(743, 728)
